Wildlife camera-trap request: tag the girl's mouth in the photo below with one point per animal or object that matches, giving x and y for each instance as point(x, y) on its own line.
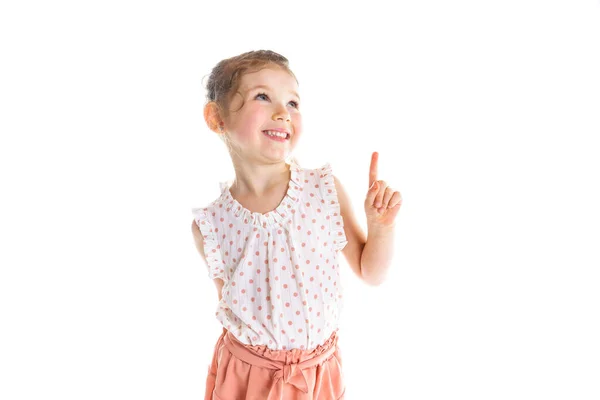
point(277, 136)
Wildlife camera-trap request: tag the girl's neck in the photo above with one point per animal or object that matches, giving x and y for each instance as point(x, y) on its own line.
point(259, 180)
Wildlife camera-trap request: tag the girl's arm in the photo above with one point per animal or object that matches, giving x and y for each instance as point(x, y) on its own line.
point(354, 234)
point(370, 257)
point(199, 241)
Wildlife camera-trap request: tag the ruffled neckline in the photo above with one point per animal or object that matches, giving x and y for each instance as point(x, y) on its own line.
point(270, 218)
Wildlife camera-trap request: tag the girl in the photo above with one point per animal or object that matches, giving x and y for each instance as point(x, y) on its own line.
point(271, 241)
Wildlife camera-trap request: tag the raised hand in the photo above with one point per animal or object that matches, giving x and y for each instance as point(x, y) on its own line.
point(382, 203)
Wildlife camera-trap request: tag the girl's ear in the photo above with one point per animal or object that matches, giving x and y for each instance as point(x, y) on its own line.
point(212, 118)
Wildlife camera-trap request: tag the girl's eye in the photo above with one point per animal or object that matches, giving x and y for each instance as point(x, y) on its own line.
point(265, 95)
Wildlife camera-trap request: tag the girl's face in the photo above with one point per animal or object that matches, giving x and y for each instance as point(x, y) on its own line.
point(270, 102)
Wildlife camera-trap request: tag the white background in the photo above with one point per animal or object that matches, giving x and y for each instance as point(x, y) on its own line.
point(486, 115)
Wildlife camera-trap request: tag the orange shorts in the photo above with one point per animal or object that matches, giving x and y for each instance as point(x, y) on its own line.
point(243, 372)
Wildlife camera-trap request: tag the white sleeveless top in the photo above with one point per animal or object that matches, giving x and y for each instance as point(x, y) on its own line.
point(280, 269)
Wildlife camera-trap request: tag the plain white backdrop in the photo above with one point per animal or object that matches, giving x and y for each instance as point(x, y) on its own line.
point(486, 115)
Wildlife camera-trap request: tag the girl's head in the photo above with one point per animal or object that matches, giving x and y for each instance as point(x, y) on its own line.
point(249, 94)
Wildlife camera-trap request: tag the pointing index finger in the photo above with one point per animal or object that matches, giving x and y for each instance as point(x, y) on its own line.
point(373, 168)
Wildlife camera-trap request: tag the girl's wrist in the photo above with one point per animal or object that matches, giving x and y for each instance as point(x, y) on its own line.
point(377, 230)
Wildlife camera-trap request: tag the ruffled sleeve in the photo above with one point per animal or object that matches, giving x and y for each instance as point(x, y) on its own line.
point(329, 193)
point(212, 249)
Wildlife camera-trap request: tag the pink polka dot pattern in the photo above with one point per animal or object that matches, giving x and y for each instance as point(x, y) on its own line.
point(280, 269)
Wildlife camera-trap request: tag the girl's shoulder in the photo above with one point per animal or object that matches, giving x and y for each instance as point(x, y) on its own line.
point(323, 172)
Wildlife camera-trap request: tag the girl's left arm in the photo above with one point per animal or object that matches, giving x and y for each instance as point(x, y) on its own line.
point(370, 257)
point(354, 234)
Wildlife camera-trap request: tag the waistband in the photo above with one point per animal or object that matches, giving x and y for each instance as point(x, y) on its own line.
point(286, 372)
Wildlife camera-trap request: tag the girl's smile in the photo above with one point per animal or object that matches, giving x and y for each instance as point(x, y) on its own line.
point(277, 136)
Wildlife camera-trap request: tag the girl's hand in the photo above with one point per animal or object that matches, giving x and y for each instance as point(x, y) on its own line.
point(382, 203)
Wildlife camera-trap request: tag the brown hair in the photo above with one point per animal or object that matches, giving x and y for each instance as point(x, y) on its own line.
point(224, 80)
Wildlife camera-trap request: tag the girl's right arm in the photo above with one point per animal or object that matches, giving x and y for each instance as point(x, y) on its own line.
point(199, 241)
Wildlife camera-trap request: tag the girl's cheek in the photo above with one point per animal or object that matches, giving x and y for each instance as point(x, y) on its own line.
point(297, 122)
point(249, 124)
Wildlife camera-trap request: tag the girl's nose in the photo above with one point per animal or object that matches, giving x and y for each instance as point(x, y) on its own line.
point(281, 113)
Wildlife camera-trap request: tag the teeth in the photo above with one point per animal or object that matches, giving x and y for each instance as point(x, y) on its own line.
point(278, 134)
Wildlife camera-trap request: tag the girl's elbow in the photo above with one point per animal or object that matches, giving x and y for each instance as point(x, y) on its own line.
point(371, 280)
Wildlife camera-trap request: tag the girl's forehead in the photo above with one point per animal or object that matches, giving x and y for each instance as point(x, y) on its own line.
point(269, 77)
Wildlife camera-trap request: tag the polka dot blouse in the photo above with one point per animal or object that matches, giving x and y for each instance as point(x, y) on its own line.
point(280, 269)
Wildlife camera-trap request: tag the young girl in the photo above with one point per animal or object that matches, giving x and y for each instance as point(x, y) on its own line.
point(271, 241)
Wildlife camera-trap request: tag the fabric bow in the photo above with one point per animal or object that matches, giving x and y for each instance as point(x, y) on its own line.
point(294, 375)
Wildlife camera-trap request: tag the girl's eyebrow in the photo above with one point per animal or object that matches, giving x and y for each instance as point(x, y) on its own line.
point(268, 88)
